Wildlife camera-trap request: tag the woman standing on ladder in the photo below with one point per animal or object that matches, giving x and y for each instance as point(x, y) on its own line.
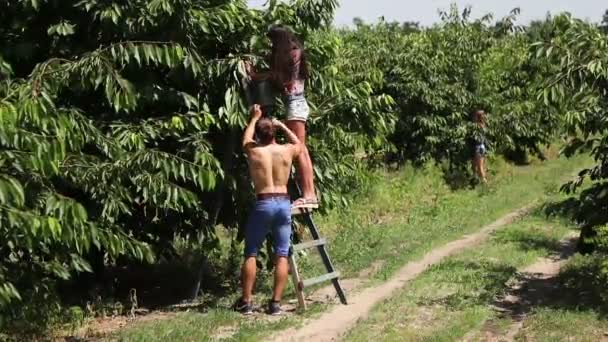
point(289, 72)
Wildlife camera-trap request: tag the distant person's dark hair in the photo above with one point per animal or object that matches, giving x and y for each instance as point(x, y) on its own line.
point(479, 116)
point(265, 130)
point(281, 61)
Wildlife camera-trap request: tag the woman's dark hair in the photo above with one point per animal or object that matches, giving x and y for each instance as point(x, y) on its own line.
point(284, 42)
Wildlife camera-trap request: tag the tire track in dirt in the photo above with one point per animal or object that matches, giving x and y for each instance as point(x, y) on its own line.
point(333, 324)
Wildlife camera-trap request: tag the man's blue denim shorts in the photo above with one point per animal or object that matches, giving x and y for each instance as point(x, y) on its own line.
point(269, 215)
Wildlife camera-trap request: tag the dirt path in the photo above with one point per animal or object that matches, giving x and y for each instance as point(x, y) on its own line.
point(331, 325)
point(535, 285)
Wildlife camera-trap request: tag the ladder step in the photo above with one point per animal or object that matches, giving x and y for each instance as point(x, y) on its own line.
point(320, 279)
point(301, 211)
point(309, 244)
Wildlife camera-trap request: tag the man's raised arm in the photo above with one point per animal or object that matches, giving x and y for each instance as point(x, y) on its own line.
point(293, 139)
point(248, 141)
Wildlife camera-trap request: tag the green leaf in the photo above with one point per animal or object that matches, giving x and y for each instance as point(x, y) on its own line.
point(64, 28)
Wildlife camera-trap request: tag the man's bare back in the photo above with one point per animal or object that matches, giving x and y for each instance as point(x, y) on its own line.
point(269, 162)
point(270, 166)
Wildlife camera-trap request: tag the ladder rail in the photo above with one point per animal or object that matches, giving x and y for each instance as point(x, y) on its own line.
point(297, 281)
point(331, 274)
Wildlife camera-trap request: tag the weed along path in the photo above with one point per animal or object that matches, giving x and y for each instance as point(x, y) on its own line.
point(331, 325)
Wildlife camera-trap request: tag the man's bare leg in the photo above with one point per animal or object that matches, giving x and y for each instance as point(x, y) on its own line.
point(248, 271)
point(280, 278)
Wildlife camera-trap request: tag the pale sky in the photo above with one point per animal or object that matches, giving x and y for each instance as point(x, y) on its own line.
point(425, 11)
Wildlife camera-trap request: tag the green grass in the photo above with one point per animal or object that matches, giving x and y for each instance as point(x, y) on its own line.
point(217, 324)
point(454, 298)
point(412, 212)
point(184, 327)
point(405, 215)
point(554, 324)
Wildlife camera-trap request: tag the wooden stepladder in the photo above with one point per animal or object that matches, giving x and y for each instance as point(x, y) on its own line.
point(320, 243)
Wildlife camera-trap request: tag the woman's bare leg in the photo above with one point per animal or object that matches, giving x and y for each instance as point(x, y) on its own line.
point(482, 168)
point(479, 167)
point(305, 168)
point(476, 168)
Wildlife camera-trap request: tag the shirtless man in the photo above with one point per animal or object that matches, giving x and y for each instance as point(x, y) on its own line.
point(269, 166)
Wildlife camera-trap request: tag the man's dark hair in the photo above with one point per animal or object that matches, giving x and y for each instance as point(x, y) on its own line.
point(264, 130)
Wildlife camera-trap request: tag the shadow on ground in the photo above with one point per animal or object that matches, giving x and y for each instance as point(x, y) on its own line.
point(542, 288)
